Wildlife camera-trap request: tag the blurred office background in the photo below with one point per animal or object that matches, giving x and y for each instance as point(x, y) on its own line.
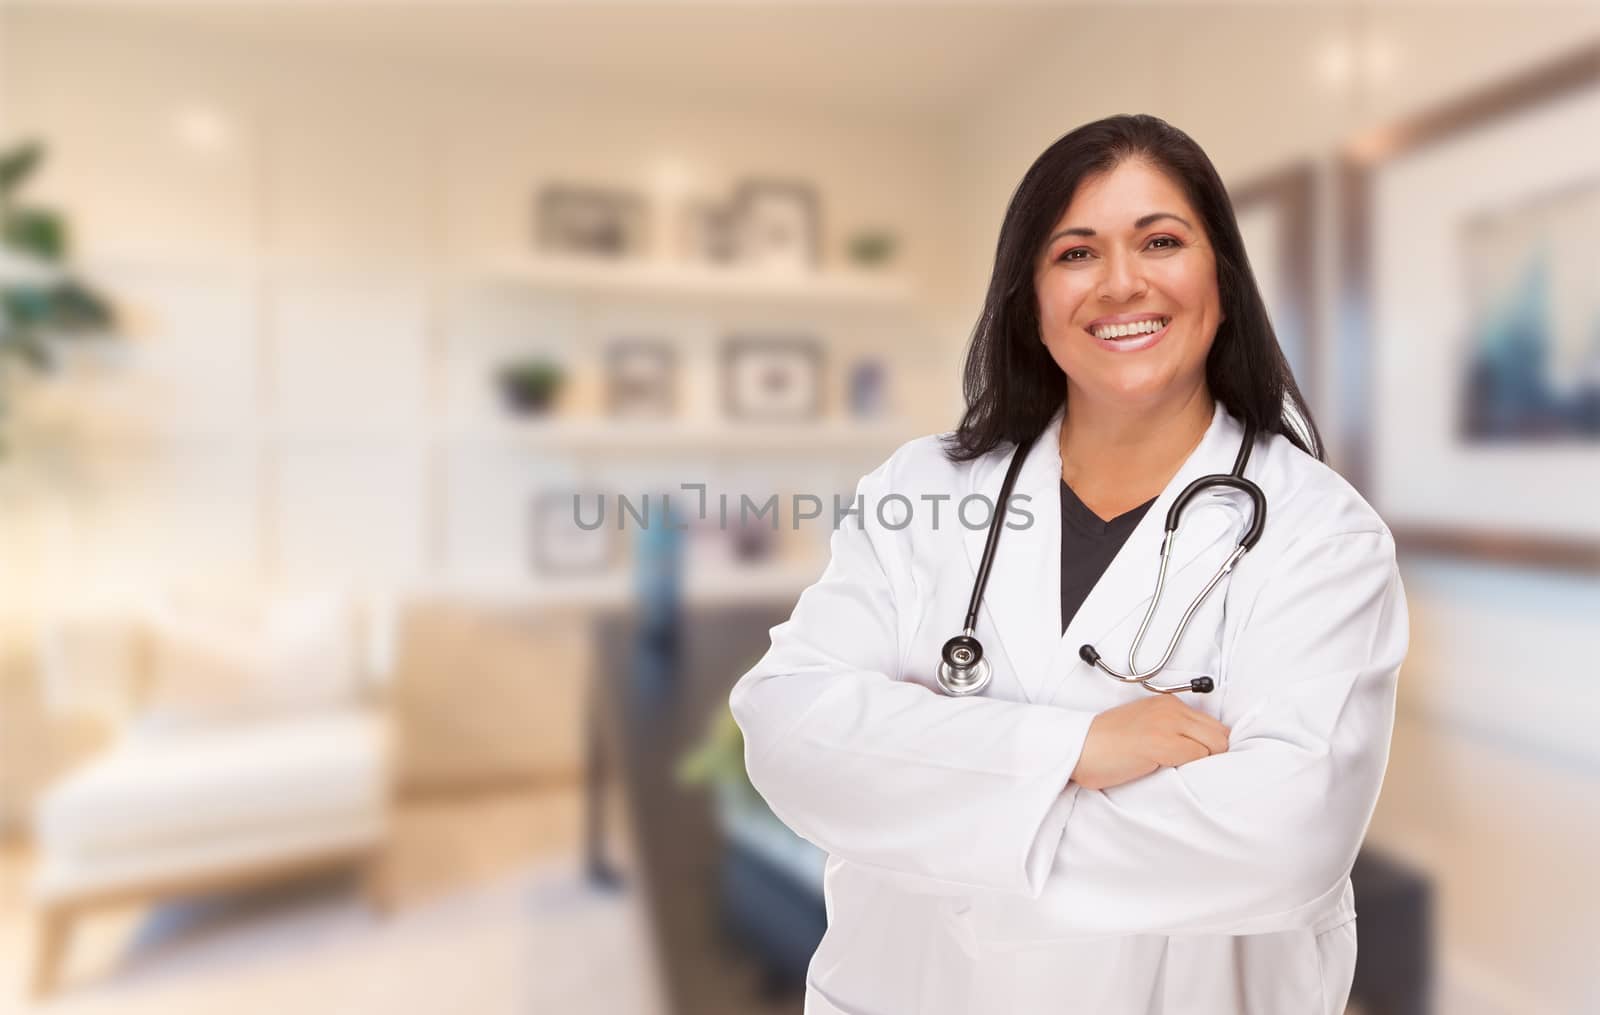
point(313, 695)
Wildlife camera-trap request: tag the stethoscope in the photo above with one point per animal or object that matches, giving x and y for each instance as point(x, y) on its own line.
point(962, 668)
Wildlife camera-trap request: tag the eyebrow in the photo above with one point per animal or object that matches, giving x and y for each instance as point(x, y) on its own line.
point(1143, 221)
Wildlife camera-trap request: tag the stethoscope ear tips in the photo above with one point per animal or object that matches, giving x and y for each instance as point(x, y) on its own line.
point(1089, 655)
point(1202, 685)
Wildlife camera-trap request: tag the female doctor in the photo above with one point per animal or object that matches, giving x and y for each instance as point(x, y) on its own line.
point(1059, 840)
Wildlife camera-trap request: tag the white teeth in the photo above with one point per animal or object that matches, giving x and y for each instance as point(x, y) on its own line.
point(1127, 330)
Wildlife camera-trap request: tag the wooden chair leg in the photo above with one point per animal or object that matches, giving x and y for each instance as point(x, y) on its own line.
point(54, 935)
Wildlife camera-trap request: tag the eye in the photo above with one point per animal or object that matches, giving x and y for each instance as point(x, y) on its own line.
point(1172, 243)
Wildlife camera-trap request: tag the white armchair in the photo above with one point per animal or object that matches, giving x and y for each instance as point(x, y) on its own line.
point(259, 747)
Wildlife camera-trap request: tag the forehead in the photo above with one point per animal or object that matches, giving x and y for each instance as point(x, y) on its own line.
point(1113, 200)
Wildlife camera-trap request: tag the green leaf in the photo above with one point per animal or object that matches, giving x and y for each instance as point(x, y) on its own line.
point(29, 347)
point(17, 163)
point(74, 308)
point(64, 307)
point(38, 231)
point(26, 305)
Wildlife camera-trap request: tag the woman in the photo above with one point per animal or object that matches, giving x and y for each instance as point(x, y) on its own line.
point(1063, 841)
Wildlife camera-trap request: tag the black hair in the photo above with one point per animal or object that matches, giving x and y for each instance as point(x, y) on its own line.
point(1012, 384)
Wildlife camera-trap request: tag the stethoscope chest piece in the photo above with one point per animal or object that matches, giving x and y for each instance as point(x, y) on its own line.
point(962, 667)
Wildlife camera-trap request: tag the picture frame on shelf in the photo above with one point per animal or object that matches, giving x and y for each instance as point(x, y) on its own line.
point(641, 378)
point(772, 378)
point(708, 232)
point(560, 546)
point(590, 221)
point(778, 225)
point(1445, 265)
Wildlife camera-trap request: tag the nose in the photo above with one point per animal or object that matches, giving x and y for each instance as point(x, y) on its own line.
point(1122, 281)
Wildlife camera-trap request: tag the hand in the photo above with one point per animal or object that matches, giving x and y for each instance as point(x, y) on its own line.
point(1131, 741)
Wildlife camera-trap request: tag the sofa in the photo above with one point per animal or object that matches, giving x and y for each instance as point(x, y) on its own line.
point(256, 745)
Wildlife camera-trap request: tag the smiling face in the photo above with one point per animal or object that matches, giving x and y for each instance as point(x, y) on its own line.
point(1129, 249)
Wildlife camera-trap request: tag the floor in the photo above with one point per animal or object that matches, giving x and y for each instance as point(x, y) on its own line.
point(492, 915)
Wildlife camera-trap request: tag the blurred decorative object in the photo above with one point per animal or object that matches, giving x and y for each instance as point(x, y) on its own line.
point(708, 232)
point(866, 388)
point(292, 775)
point(595, 221)
point(1474, 311)
point(658, 583)
point(720, 546)
point(753, 541)
point(566, 541)
point(39, 300)
point(779, 225)
point(1275, 214)
point(641, 378)
point(530, 387)
point(772, 378)
point(872, 248)
point(1533, 358)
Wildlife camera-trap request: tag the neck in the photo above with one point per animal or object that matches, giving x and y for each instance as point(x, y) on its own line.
point(1117, 454)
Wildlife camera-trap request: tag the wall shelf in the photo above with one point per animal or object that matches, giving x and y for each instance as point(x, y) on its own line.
point(721, 585)
point(602, 436)
point(658, 279)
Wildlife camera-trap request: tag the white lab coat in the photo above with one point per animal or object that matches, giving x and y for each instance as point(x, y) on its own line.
point(967, 874)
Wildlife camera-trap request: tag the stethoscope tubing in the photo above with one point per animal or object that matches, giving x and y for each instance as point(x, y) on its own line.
point(963, 670)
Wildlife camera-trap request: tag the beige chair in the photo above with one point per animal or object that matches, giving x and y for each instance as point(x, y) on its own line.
point(259, 748)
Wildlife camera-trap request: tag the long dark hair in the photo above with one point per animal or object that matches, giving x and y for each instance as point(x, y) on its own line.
point(1012, 384)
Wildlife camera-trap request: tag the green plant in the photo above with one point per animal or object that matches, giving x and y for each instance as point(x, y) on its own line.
point(873, 247)
point(530, 386)
point(534, 376)
point(39, 300)
point(718, 759)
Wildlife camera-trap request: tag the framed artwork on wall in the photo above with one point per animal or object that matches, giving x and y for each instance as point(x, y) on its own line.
point(771, 377)
point(561, 546)
point(590, 221)
point(641, 378)
point(1472, 328)
point(1276, 214)
point(778, 225)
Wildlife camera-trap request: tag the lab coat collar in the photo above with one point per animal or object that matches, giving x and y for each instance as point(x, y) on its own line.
point(1022, 601)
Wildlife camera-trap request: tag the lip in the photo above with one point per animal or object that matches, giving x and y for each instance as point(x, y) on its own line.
point(1133, 344)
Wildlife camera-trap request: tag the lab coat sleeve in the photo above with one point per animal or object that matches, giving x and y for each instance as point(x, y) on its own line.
point(945, 795)
point(1254, 839)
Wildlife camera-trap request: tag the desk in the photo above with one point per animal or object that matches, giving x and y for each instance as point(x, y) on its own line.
point(647, 709)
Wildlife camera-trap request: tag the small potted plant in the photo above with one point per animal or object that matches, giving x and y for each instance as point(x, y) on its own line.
point(529, 387)
point(873, 248)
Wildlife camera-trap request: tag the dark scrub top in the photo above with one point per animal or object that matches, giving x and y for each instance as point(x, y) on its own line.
point(1088, 545)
